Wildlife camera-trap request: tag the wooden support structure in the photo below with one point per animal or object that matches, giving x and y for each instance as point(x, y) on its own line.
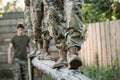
point(57, 74)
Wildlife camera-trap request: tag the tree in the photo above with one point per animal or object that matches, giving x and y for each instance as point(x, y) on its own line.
point(0, 6)
point(8, 7)
point(11, 7)
point(100, 10)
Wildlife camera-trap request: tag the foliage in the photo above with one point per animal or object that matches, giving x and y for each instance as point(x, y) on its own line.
point(100, 10)
point(85, 28)
point(45, 77)
point(10, 8)
point(107, 73)
point(0, 8)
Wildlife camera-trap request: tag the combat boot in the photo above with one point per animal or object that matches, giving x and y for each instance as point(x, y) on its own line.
point(62, 61)
point(44, 51)
point(73, 59)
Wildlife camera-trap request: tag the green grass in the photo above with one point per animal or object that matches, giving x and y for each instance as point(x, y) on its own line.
point(107, 73)
point(45, 77)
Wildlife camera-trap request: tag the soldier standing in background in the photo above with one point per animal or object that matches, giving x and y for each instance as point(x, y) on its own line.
point(20, 42)
point(62, 21)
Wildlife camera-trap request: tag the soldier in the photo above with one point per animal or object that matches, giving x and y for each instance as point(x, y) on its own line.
point(36, 17)
point(33, 18)
point(74, 36)
point(20, 43)
point(68, 40)
point(41, 35)
point(61, 20)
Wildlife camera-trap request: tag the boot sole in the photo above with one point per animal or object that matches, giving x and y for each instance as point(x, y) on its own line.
point(74, 63)
point(58, 65)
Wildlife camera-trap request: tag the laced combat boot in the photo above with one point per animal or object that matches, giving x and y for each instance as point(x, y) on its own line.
point(44, 51)
point(74, 62)
point(62, 61)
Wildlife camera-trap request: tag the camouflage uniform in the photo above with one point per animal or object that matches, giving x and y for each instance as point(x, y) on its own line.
point(21, 70)
point(61, 20)
point(39, 27)
point(36, 18)
point(74, 32)
point(65, 26)
point(27, 17)
point(34, 15)
point(65, 15)
point(74, 23)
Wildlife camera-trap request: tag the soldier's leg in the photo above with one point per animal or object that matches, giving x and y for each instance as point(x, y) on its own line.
point(17, 70)
point(36, 19)
point(74, 32)
point(62, 61)
point(45, 33)
point(27, 17)
point(45, 52)
point(46, 41)
point(33, 18)
point(24, 69)
point(56, 18)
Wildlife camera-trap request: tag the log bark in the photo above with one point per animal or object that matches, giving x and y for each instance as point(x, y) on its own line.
point(58, 74)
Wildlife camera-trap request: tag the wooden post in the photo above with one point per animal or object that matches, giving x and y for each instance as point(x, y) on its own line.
point(29, 68)
point(58, 74)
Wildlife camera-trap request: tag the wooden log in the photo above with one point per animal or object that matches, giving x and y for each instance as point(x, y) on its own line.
point(58, 74)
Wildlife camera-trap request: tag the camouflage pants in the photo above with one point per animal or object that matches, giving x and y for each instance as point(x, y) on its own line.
point(27, 20)
point(33, 19)
point(59, 19)
point(74, 30)
point(65, 22)
point(20, 70)
point(36, 18)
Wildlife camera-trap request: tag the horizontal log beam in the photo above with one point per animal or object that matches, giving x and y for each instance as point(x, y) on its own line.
point(58, 74)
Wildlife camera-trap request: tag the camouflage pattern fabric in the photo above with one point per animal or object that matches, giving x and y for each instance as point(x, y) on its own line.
point(65, 22)
point(36, 18)
point(27, 17)
point(74, 30)
point(55, 19)
point(59, 19)
point(20, 69)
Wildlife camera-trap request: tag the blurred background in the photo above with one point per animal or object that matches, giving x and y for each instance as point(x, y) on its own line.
point(101, 50)
point(11, 12)
point(11, 6)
